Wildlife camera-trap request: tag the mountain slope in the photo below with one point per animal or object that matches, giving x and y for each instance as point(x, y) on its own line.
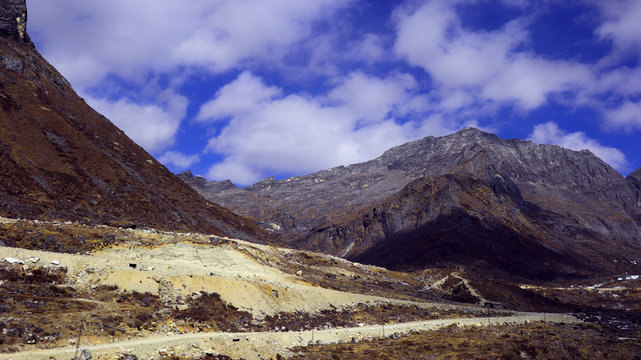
point(60, 159)
point(467, 198)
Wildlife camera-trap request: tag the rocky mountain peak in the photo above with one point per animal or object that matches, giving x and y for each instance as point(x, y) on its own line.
point(636, 175)
point(13, 19)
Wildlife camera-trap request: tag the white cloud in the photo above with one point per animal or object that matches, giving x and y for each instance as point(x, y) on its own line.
point(89, 39)
point(151, 126)
point(627, 117)
point(244, 95)
point(370, 49)
point(133, 41)
point(618, 81)
point(487, 64)
point(179, 160)
point(295, 134)
point(621, 26)
point(549, 133)
point(371, 99)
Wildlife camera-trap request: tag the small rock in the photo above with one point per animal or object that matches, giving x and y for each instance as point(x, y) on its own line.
point(33, 259)
point(84, 355)
point(128, 357)
point(12, 260)
point(55, 262)
point(299, 273)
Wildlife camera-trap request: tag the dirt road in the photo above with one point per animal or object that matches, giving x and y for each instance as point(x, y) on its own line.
point(261, 345)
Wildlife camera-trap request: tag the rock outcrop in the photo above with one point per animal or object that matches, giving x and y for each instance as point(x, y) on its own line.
point(13, 20)
point(467, 198)
point(60, 159)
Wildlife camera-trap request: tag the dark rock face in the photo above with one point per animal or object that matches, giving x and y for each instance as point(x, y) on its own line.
point(467, 198)
point(59, 159)
point(634, 182)
point(13, 19)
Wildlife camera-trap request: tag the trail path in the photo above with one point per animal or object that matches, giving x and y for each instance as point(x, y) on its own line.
point(261, 345)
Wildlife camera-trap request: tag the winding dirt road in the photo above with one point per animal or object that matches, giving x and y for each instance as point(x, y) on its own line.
point(260, 345)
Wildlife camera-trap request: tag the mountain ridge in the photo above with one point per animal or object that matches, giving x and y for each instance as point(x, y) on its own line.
point(546, 192)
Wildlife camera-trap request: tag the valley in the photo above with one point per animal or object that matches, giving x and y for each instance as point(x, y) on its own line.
point(158, 294)
point(462, 246)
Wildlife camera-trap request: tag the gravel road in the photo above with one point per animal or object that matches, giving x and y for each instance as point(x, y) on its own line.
point(259, 345)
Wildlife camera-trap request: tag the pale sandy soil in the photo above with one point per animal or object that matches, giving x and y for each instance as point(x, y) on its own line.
point(181, 269)
point(177, 265)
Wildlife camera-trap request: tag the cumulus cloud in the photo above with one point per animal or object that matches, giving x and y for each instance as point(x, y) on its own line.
point(152, 126)
point(621, 26)
point(91, 42)
point(550, 133)
point(370, 49)
point(294, 134)
point(490, 65)
point(371, 99)
point(179, 160)
point(627, 117)
point(245, 95)
point(89, 39)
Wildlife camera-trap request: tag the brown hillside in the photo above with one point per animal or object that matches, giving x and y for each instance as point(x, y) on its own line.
point(60, 159)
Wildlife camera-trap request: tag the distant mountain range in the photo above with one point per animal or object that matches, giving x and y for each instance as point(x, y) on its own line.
point(470, 198)
point(60, 159)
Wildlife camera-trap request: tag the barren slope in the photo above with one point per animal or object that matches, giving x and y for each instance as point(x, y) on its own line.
point(60, 159)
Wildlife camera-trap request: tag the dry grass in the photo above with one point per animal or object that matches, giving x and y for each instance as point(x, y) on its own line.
point(528, 341)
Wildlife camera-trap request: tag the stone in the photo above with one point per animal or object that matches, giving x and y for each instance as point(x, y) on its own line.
point(12, 63)
point(12, 260)
point(299, 273)
point(84, 355)
point(13, 19)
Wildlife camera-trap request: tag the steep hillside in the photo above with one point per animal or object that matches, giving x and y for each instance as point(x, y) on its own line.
point(60, 159)
point(467, 198)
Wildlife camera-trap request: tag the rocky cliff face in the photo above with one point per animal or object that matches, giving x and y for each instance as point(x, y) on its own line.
point(470, 197)
point(59, 159)
point(13, 20)
point(634, 182)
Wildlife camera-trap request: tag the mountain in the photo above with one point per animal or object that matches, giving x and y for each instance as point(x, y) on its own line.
point(470, 198)
point(60, 159)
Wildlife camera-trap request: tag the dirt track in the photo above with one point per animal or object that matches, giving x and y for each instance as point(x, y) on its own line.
point(259, 345)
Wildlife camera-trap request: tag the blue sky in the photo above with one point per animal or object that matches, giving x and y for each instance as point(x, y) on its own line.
point(247, 89)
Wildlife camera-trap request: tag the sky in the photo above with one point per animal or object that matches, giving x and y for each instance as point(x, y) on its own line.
point(248, 89)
